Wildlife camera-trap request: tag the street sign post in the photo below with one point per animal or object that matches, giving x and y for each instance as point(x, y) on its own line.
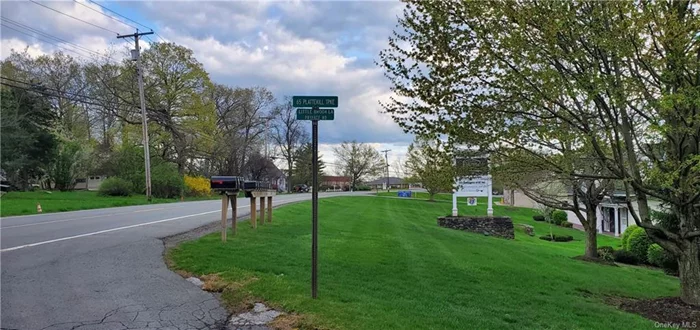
point(314, 114)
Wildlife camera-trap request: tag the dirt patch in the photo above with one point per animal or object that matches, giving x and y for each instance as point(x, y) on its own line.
point(173, 240)
point(596, 260)
point(671, 311)
point(287, 322)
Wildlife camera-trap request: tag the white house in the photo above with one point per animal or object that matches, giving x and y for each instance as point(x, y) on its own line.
point(612, 214)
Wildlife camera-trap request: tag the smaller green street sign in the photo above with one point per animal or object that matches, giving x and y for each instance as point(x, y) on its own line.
point(315, 101)
point(315, 114)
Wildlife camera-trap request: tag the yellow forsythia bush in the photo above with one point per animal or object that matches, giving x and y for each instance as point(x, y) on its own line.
point(197, 185)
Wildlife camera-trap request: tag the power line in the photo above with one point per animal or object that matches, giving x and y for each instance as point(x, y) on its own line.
point(75, 18)
point(40, 89)
point(37, 90)
point(44, 40)
point(128, 19)
point(122, 16)
point(52, 37)
point(102, 13)
point(118, 14)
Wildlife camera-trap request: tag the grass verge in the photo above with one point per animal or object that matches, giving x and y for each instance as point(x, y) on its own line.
point(385, 264)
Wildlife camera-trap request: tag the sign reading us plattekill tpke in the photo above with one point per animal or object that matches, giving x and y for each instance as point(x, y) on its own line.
point(315, 114)
point(315, 101)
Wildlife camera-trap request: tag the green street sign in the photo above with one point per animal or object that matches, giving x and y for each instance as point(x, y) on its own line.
point(315, 114)
point(315, 101)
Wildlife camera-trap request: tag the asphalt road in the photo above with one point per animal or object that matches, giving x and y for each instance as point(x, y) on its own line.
point(103, 269)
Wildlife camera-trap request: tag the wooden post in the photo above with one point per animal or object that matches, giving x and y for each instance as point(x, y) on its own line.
point(224, 210)
point(269, 208)
point(253, 210)
point(234, 213)
point(262, 210)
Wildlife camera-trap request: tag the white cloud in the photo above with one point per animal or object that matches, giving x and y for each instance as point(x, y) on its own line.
point(290, 47)
point(33, 49)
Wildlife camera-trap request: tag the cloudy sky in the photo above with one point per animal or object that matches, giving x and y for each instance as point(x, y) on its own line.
point(291, 47)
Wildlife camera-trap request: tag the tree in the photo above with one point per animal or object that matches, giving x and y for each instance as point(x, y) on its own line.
point(431, 165)
point(239, 126)
point(555, 180)
point(620, 78)
point(289, 135)
point(358, 161)
point(175, 88)
point(259, 168)
point(303, 167)
point(28, 145)
point(69, 164)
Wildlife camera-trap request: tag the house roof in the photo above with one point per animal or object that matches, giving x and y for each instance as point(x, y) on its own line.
point(337, 178)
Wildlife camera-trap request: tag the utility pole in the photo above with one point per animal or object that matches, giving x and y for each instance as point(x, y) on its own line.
point(386, 159)
point(136, 56)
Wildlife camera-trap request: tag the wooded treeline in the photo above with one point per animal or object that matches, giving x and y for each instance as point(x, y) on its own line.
point(64, 119)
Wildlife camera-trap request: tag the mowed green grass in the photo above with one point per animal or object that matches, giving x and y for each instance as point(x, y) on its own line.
point(24, 202)
point(385, 264)
point(441, 197)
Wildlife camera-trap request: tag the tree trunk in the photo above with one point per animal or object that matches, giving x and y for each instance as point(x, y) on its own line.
point(591, 243)
point(689, 272)
point(591, 233)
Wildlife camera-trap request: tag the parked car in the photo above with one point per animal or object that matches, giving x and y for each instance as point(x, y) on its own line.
point(300, 188)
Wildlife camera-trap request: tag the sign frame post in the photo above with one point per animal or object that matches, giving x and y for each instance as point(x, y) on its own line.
point(315, 113)
point(314, 209)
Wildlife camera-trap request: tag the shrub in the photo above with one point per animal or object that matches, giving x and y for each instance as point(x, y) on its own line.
point(657, 256)
point(558, 217)
point(639, 244)
point(606, 253)
point(538, 217)
point(363, 188)
point(166, 182)
point(567, 224)
point(625, 257)
point(557, 238)
point(197, 186)
point(115, 187)
point(626, 236)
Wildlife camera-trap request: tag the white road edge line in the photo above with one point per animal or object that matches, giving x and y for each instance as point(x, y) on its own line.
point(104, 208)
point(105, 231)
point(76, 219)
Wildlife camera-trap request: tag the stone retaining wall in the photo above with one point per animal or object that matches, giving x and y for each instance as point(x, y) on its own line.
point(492, 226)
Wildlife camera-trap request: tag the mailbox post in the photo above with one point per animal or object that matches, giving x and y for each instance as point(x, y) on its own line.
point(228, 187)
point(263, 191)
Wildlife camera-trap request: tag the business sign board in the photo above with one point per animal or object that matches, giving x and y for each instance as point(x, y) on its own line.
point(475, 186)
point(472, 187)
point(404, 193)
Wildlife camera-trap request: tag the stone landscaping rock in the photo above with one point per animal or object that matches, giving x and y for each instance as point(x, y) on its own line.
point(489, 226)
point(195, 281)
point(530, 230)
point(255, 319)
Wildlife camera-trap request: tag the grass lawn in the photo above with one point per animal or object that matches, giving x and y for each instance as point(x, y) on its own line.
point(24, 202)
point(385, 264)
point(438, 197)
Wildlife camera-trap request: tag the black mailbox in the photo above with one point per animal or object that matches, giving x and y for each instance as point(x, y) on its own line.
point(251, 185)
point(226, 183)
